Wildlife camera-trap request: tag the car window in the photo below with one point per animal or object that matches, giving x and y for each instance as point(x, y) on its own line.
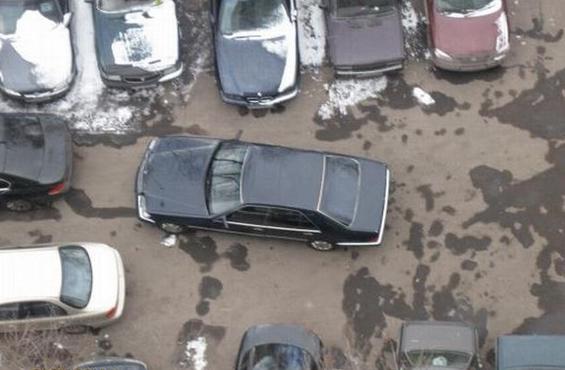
point(250, 215)
point(280, 357)
point(4, 184)
point(447, 359)
point(340, 188)
point(120, 5)
point(19, 15)
point(252, 16)
point(224, 177)
point(77, 276)
point(288, 218)
point(9, 311)
point(36, 310)
point(356, 8)
point(465, 6)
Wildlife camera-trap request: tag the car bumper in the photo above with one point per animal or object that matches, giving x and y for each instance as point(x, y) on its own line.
point(135, 83)
point(456, 65)
point(260, 103)
point(368, 72)
point(40, 97)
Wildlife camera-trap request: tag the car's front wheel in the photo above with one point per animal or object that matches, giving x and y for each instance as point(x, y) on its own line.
point(322, 246)
point(172, 228)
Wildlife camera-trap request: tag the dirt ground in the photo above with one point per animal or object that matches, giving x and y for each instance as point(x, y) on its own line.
point(475, 228)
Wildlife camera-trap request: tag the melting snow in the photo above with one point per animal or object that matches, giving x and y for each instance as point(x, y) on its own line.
point(277, 46)
point(414, 32)
point(422, 96)
point(311, 33)
point(346, 93)
point(169, 240)
point(195, 353)
point(502, 42)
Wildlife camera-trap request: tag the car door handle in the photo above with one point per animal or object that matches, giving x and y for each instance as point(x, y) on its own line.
point(257, 229)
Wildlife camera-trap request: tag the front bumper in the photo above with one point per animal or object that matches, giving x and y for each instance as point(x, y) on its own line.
point(367, 71)
point(469, 64)
point(144, 81)
point(260, 103)
point(39, 97)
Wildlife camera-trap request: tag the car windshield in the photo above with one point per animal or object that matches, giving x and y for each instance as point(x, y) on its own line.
point(121, 5)
point(253, 18)
point(340, 188)
point(465, 6)
point(77, 276)
point(357, 8)
point(278, 357)
point(17, 16)
point(224, 177)
point(448, 359)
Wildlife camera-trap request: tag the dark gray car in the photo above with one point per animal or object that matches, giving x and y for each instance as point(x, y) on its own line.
point(521, 352)
point(365, 36)
point(438, 345)
point(137, 42)
point(281, 347)
point(111, 363)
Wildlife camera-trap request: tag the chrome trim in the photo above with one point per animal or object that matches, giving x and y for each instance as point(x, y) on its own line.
point(372, 72)
point(274, 227)
point(241, 172)
point(247, 234)
point(142, 210)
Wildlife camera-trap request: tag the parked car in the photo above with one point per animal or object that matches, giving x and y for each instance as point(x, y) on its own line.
point(137, 42)
point(256, 52)
point(530, 352)
point(438, 345)
point(280, 347)
point(365, 37)
point(73, 286)
point(322, 198)
point(111, 363)
point(35, 159)
point(36, 54)
point(468, 35)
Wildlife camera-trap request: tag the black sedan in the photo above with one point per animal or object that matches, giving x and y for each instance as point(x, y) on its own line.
point(256, 53)
point(322, 198)
point(137, 42)
point(281, 347)
point(35, 159)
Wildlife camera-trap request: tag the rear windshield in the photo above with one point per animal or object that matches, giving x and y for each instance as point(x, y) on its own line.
point(357, 8)
point(447, 359)
point(77, 276)
point(17, 16)
point(278, 357)
point(224, 177)
point(341, 188)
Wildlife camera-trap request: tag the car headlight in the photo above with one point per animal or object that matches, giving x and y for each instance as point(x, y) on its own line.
point(440, 54)
point(110, 77)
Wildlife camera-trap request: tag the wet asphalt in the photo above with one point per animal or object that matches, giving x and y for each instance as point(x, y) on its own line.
point(475, 228)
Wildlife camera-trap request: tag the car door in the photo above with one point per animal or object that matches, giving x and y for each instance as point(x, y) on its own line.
point(248, 220)
point(9, 314)
point(41, 315)
point(290, 223)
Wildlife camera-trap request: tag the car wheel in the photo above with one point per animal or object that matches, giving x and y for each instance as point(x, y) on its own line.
point(322, 246)
point(19, 205)
point(76, 329)
point(172, 228)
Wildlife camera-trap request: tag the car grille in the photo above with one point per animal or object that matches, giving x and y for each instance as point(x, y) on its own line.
point(143, 79)
point(259, 100)
point(475, 59)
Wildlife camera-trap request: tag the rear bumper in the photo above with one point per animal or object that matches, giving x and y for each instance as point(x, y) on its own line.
point(459, 66)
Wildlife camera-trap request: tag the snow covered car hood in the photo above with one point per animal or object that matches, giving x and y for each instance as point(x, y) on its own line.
point(365, 40)
point(37, 57)
point(239, 60)
point(137, 42)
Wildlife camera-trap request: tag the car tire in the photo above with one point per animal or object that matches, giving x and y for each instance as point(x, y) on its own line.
point(19, 205)
point(172, 228)
point(76, 329)
point(322, 245)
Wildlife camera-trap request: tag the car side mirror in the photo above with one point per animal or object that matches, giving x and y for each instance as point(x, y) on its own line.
point(67, 19)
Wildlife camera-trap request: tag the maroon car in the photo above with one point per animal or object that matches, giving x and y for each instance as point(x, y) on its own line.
point(468, 35)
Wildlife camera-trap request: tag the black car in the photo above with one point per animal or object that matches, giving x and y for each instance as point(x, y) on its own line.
point(111, 363)
point(137, 42)
point(284, 347)
point(35, 159)
point(322, 198)
point(256, 52)
point(365, 37)
point(520, 352)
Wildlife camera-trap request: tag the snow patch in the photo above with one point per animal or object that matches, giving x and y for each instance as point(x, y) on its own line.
point(278, 46)
point(422, 96)
point(169, 240)
point(311, 33)
point(343, 94)
point(409, 17)
point(414, 31)
point(195, 352)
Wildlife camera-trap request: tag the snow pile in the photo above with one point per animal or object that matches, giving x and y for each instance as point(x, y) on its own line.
point(422, 97)
point(343, 94)
point(195, 353)
point(414, 31)
point(169, 240)
point(311, 33)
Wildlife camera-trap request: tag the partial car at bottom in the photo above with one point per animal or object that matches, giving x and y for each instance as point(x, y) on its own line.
point(528, 352)
point(322, 198)
point(280, 347)
point(111, 363)
point(75, 286)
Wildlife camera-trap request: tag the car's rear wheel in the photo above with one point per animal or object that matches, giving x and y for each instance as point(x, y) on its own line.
point(19, 205)
point(77, 329)
point(322, 246)
point(172, 228)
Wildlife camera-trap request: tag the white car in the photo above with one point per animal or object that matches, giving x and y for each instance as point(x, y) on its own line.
point(75, 286)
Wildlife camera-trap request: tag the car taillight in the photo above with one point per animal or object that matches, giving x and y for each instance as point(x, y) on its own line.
point(56, 189)
point(111, 313)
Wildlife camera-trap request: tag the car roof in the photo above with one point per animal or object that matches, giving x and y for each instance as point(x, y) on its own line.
point(29, 273)
point(285, 177)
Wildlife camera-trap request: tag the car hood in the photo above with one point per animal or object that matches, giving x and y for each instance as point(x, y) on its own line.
point(435, 335)
point(366, 40)
point(482, 34)
point(138, 42)
point(239, 60)
point(172, 176)
point(37, 57)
